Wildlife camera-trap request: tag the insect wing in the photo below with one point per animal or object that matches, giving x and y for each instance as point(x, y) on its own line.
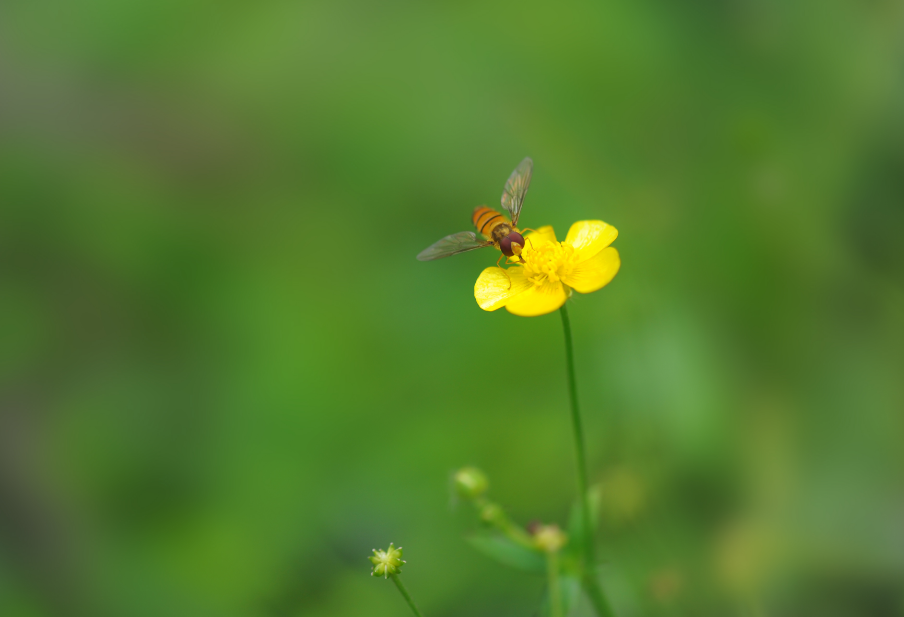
point(516, 189)
point(452, 245)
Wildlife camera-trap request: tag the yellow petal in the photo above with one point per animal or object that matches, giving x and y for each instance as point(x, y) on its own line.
point(538, 300)
point(544, 235)
point(495, 286)
point(590, 237)
point(596, 272)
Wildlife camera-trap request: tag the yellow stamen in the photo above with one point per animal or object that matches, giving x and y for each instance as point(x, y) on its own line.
point(548, 262)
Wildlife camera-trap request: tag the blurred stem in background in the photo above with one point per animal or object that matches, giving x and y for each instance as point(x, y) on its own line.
point(493, 514)
point(552, 573)
point(591, 583)
point(395, 579)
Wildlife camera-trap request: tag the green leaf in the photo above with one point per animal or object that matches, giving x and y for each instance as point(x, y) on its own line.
point(508, 552)
point(575, 520)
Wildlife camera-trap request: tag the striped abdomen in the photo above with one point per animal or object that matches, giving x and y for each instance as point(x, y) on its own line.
point(486, 220)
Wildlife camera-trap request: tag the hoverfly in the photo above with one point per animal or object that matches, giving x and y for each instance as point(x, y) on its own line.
point(492, 225)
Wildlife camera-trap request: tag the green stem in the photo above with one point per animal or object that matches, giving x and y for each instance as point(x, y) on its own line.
point(591, 584)
point(398, 582)
point(503, 523)
point(552, 575)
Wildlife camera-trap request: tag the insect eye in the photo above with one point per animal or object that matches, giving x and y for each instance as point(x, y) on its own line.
point(505, 245)
point(516, 242)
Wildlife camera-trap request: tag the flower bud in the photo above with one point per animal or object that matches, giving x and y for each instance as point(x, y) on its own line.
point(549, 538)
point(387, 562)
point(492, 513)
point(470, 482)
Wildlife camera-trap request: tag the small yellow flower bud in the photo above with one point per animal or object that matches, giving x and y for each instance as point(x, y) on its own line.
point(549, 538)
point(387, 562)
point(470, 482)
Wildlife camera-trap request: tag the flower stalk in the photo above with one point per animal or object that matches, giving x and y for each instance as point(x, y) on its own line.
point(550, 539)
point(398, 582)
point(494, 515)
point(591, 584)
point(552, 576)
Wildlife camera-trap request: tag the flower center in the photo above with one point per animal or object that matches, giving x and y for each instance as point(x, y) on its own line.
point(548, 262)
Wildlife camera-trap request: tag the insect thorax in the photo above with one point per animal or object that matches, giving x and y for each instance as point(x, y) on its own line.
point(500, 231)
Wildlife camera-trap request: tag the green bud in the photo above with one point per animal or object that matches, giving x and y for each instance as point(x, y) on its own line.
point(387, 562)
point(492, 513)
point(549, 538)
point(471, 483)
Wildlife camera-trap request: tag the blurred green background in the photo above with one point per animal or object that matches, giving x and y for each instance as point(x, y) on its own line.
point(224, 378)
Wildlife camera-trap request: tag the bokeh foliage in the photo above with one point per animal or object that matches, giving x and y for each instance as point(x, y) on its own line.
point(225, 379)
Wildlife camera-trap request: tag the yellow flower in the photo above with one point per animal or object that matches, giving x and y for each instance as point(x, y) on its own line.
point(584, 262)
